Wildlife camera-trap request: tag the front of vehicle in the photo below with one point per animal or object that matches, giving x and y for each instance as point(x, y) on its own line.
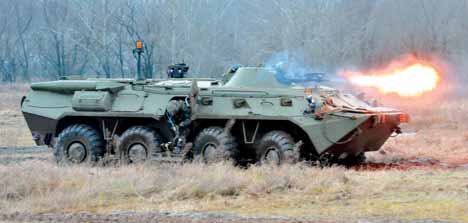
point(336, 124)
point(343, 125)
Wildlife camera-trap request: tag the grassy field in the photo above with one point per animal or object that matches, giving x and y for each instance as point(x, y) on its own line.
point(438, 132)
point(295, 191)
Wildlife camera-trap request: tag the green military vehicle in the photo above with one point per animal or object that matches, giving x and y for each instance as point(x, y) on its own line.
point(255, 117)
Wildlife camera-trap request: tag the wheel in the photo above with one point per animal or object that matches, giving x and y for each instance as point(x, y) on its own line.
point(214, 145)
point(275, 147)
point(79, 144)
point(138, 145)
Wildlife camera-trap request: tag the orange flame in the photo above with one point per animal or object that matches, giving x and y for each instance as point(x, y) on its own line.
point(407, 81)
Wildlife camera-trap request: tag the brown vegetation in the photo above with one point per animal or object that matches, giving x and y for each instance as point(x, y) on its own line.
point(13, 128)
point(437, 130)
point(333, 193)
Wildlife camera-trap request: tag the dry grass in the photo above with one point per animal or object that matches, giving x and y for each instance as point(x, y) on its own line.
point(333, 193)
point(13, 128)
point(437, 130)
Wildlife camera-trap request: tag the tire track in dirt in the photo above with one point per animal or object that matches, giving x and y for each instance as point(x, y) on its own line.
point(135, 217)
point(175, 217)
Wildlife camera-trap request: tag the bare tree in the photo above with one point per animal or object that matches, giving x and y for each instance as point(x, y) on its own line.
point(56, 38)
point(23, 19)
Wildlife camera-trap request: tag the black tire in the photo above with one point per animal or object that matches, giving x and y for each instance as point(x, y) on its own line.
point(275, 147)
point(214, 145)
point(79, 144)
point(139, 144)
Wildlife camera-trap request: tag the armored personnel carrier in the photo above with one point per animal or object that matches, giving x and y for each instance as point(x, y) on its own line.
point(255, 117)
point(252, 116)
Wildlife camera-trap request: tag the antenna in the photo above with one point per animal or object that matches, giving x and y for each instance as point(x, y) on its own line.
point(138, 50)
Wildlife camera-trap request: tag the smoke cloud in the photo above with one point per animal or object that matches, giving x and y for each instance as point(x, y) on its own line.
point(290, 70)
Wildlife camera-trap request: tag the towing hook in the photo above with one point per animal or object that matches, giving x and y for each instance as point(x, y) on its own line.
point(397, 130)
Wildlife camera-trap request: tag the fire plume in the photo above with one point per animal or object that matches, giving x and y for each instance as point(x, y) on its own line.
point(408, 80)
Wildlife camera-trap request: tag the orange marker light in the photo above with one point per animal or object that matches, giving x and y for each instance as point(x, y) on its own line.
point(139, 44)
point(404, 118)
point(308, 91)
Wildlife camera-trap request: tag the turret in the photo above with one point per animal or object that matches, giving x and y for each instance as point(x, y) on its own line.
point(177, 70)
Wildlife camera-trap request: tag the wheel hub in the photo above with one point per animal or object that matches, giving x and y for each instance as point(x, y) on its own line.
point(210, 153)
point(137, 153)
point(272, 156)
point(76, 152)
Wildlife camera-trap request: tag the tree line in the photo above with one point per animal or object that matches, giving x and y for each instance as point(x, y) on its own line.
point(50, 39)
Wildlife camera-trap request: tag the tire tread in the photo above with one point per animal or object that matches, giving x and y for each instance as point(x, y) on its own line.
point(226, 141)
point(96, 142)
point(150, 136)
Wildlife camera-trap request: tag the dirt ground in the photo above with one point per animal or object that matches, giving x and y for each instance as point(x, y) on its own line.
point(165, 217)
point(419, 176)
point(133, 217)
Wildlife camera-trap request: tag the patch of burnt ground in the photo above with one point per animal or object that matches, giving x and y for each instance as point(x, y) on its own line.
point(407, 164)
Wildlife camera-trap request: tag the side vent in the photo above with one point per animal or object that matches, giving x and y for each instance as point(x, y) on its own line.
point(92, 101)
point(286, 102)
point(239, 103)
